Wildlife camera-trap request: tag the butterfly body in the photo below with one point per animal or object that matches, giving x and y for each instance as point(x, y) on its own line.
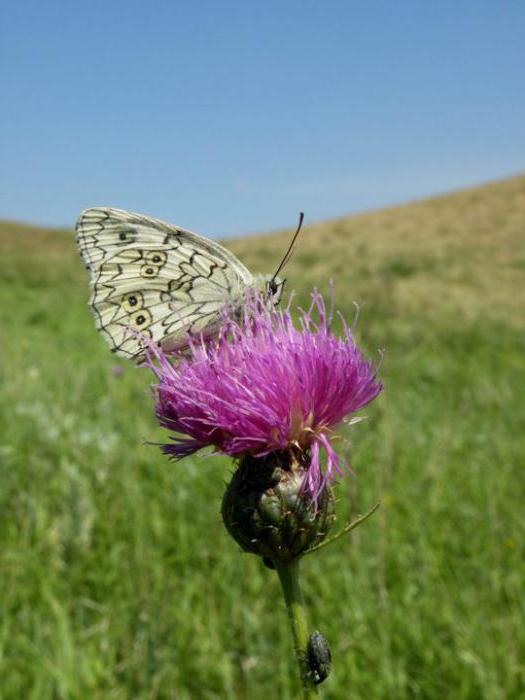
point(155, 282)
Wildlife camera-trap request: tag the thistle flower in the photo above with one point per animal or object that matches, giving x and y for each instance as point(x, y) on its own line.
point(270, 393)
point(265, 386)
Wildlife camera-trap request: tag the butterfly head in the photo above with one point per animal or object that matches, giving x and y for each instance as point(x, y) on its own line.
point(274, 287)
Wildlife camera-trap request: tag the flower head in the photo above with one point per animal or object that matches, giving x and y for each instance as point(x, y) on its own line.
point(266, 385)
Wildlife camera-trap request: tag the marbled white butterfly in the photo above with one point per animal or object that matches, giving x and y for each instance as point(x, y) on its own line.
point(152, 280)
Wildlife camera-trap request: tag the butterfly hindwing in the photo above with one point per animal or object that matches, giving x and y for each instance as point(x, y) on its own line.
point(152, 280)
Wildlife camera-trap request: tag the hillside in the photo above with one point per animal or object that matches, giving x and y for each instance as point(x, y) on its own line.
point(462, 253)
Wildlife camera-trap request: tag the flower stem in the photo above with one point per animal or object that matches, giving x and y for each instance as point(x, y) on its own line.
point(289, 577)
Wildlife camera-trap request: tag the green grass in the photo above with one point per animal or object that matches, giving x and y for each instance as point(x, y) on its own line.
point(117, 577)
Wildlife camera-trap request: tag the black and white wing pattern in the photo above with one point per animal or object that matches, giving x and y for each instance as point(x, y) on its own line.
point(151, 280)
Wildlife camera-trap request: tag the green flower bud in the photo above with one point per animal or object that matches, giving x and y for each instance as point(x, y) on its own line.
point(267, 512)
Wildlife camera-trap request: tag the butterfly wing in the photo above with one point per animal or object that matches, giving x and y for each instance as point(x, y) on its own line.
point(153, 280)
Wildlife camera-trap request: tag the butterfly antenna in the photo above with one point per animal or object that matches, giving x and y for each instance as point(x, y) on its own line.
point(291, 247)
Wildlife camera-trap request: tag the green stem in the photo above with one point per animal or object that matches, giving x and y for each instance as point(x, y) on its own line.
point(289, 577)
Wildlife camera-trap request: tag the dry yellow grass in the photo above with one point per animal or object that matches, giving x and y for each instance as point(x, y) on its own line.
point(462, 253)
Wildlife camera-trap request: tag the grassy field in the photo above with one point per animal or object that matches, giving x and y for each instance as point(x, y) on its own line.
point(117, 578)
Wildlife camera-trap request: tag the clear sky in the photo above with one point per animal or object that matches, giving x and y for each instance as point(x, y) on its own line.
point(229, 117)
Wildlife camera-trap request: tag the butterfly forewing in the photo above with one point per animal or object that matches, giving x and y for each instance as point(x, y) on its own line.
point(151, 280)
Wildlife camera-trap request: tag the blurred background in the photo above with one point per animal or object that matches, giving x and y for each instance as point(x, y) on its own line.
point(400, 130)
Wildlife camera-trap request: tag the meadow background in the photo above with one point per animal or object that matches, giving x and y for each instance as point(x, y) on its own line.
point(117, 577)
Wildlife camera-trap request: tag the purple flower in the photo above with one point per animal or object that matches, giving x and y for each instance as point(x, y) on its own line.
point(266, 385)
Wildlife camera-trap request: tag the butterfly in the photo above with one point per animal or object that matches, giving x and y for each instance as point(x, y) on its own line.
point(152, 282)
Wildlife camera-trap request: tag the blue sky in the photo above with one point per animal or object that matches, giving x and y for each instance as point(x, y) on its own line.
point(230, 117)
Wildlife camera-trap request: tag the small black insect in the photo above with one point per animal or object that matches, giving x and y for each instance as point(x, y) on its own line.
point(319, 658)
